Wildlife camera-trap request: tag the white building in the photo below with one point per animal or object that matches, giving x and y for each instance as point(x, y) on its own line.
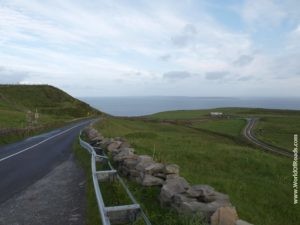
point(216, 113)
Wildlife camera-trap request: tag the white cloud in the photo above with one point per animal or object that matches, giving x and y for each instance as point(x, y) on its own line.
point(263, 12)
point(109, 45)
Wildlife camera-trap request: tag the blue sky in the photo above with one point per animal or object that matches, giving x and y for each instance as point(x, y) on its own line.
point(137, 48)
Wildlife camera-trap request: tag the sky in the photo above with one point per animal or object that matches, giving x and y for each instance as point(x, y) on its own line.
point(141, 48)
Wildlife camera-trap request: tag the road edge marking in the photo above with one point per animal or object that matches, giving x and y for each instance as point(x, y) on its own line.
point(41, 142)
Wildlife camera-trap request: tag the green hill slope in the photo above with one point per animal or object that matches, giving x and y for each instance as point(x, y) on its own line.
point(46, 99)
point(54, 107)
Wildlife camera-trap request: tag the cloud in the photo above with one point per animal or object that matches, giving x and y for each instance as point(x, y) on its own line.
point(187, 34)
point(165, 57)
point(217, 75)
point(243, 60)
point(246, 78)
point(174, 75)
point(8, 76)
point(96, 43)
point(263, 13)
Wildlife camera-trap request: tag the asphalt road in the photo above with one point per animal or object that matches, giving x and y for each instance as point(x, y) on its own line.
point(248, 133)
point(25, 162)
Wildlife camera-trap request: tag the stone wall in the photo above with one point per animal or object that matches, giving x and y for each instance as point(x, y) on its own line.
point(176, 192)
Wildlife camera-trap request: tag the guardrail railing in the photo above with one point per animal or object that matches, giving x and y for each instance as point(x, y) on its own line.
point(120, 214)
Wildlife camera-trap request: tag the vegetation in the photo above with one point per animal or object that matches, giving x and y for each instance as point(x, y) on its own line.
point(258, 183)
point(114, 194)
point(18, 104)
point(278, 131)
point(232, 127)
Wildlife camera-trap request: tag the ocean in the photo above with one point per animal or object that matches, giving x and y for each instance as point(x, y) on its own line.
point(138, 106)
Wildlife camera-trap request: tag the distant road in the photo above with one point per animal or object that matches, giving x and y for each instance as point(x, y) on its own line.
point(24, 162)
point(248, 133)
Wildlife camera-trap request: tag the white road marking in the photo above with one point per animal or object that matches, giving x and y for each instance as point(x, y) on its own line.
point(28, 148)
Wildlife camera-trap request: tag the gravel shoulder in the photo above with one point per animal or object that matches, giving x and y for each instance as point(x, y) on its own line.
point(56, 199)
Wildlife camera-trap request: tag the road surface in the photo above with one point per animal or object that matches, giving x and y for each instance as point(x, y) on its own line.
point(248, 133)
point(27, 161)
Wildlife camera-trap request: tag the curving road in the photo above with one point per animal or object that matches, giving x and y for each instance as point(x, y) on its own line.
point(25, 162)
point(248, 133)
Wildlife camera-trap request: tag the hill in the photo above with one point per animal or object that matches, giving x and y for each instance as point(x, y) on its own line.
point(37, 107)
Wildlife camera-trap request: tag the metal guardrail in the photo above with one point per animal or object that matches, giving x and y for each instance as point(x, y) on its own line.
point(114, 214)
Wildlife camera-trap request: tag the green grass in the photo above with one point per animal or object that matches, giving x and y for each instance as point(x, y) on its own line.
point(114, 194)
point(236, 112)
point(46, 99)
point(259, 184)
point(84, 158)
point(278, 131)
point(232, 127)
point(11, 118)
point(275, 126)
point(54, 106)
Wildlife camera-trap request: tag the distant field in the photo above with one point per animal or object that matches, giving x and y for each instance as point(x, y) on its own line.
point(232, 127)
point(258, 183)
point(275, 127)
point(278, 131)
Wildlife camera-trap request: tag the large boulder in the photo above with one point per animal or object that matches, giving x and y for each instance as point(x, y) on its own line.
point(144, 161)
point(93, 134)
point(171, 169)
point(202, 190)
point(105, 142)
point(149, 180)
point(155, 168)
point(113, 145)
point(242, 222)
point(126, 153)
point(206, 210)
point(224, 216)
point(131, 162)
point(206, 193)
point(125, 144)
point(171, 187)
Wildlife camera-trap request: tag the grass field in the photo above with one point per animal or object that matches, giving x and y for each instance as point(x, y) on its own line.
point(232, 127)
point(113, 194)
point(54, 106)
point(259, 184)
point(275, 127)
point(278, 131)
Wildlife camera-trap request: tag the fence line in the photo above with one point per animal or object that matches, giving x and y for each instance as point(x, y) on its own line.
point(116, 214)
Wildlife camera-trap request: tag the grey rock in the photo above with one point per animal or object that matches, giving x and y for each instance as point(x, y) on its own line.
point(134, 173)
point(144, 162)
point(171, 176)
point(171, 187)
point(242, 222)
point(154, 168)
point(113, 145)
point(149, 180)
point(125, 153)
point(105, 142)
point(159, 175)
point(215, 196)
point(171, 169)
point(178, 199)
point(204, 209)
point(125, 144)
point(224, 216)
point(131, 162)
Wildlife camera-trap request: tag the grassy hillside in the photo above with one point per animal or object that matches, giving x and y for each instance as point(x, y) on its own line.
point(275, 127)
point(53, 105)
point(278, 130)
point(258, 183)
